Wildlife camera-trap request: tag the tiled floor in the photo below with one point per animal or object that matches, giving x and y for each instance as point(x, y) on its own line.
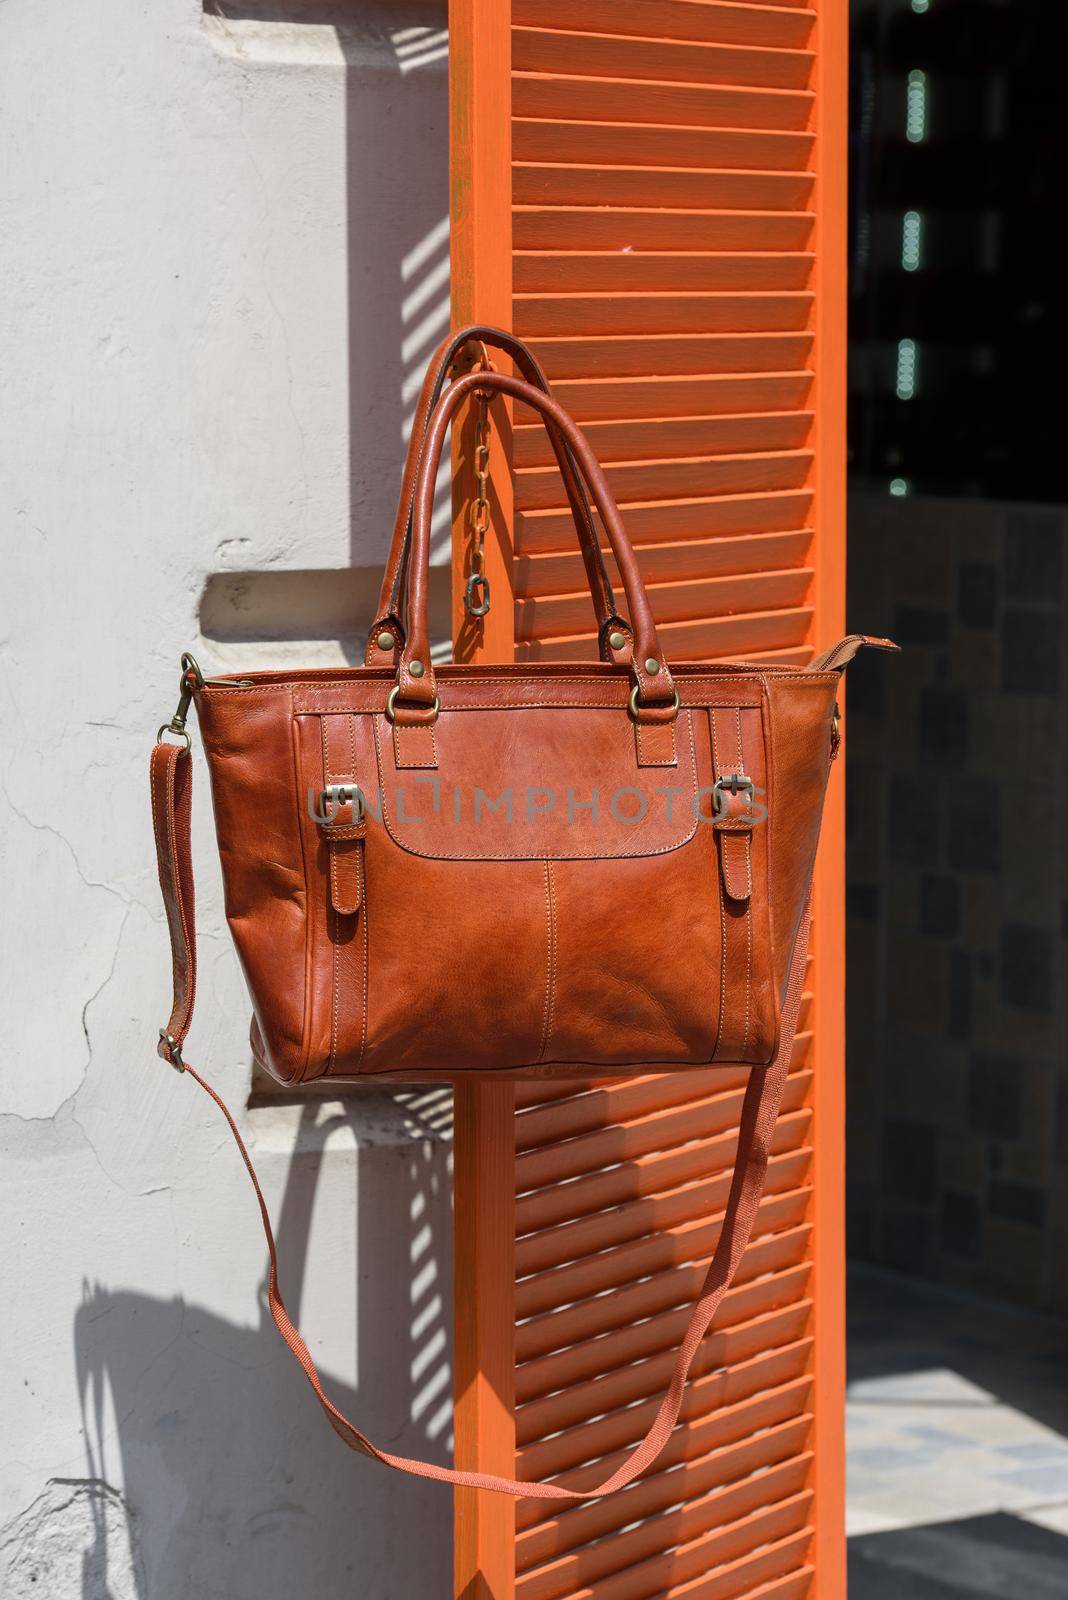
point(958, 1446)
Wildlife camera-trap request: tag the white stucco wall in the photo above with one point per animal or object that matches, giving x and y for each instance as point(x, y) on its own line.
point(223, 258)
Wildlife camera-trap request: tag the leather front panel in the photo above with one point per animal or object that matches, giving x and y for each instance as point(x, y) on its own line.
point(459, 957)
point(636, 942)
point(536, 784)
point(530, 965)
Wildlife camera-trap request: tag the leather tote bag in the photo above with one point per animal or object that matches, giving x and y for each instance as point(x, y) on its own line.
point(572, 869)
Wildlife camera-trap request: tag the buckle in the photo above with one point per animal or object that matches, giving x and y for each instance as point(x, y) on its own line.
point(341, 794)
point(734, 783)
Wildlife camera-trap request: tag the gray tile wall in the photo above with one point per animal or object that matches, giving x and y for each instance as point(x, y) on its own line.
point(957, 807)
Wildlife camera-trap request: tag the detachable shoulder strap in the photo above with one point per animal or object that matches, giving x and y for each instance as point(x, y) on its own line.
point(171, 778)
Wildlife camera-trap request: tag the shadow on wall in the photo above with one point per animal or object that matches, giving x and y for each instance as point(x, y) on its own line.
point(243, 1488)
point(397, 240)
point(235, 1484)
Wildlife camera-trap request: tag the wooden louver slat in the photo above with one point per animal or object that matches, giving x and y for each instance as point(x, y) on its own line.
point(606, 55)
point(674, 104)
point(652, 145)
point(603, 271)
point(676, 20)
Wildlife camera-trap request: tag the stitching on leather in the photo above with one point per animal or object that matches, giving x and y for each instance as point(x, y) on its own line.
point(331, 915)
point(308, 692)
point(307, 1006)
point(168, 900)
point(555, 948)
point(700, 701)
point(550, 964)
point(748, 902)
point(335, 892)
point(189, 932)
point(366, 957)
point(717, 857)
point(398, 728)
point(644, 759)
point(311, 702)
point(361, 892)
point(519, 855)
point(181, 997)
point(748, 961)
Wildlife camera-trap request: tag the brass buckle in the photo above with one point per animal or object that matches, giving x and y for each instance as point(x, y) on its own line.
point(733, 783)
point(341, 794)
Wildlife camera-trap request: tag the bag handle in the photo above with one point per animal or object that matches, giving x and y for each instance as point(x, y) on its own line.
point(389, 619)
point(415, 700)
point(171, 786)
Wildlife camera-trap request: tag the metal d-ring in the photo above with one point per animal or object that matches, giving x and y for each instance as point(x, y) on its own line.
point(174, 1050)
point(632, 705)
point(391, 705)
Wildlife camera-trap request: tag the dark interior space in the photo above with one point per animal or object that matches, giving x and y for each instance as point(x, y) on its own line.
point(957, 868)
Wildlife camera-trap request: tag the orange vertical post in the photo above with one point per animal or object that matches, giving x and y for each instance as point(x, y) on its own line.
point(484, 1150)
point(653, 193)
point(830, 200)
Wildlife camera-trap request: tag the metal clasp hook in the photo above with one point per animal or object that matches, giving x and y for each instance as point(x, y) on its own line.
point(477, 595)
point(192, 678)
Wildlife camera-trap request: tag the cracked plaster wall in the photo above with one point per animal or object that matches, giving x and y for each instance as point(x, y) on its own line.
point(224, 259)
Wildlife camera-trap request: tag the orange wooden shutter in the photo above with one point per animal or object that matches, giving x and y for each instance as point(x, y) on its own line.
point(653, 193)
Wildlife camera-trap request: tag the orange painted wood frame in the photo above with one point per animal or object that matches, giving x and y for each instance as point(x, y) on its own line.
point(658, 187)
point(831, 204)
point(484, 1115)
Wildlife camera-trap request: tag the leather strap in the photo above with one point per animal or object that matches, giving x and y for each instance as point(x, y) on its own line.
point(391, 602)
point(838, 657)
point(656, 693)
point(171, 775)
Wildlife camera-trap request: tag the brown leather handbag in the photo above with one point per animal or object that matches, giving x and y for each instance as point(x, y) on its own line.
point(552, 869)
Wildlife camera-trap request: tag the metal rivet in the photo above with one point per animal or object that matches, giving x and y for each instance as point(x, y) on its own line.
point(617, 640)
point(386, 641)
point(652, 667)
point(416, 669)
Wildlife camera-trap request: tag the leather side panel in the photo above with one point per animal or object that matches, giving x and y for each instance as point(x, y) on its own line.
point(249, 740)
point(799, 739)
